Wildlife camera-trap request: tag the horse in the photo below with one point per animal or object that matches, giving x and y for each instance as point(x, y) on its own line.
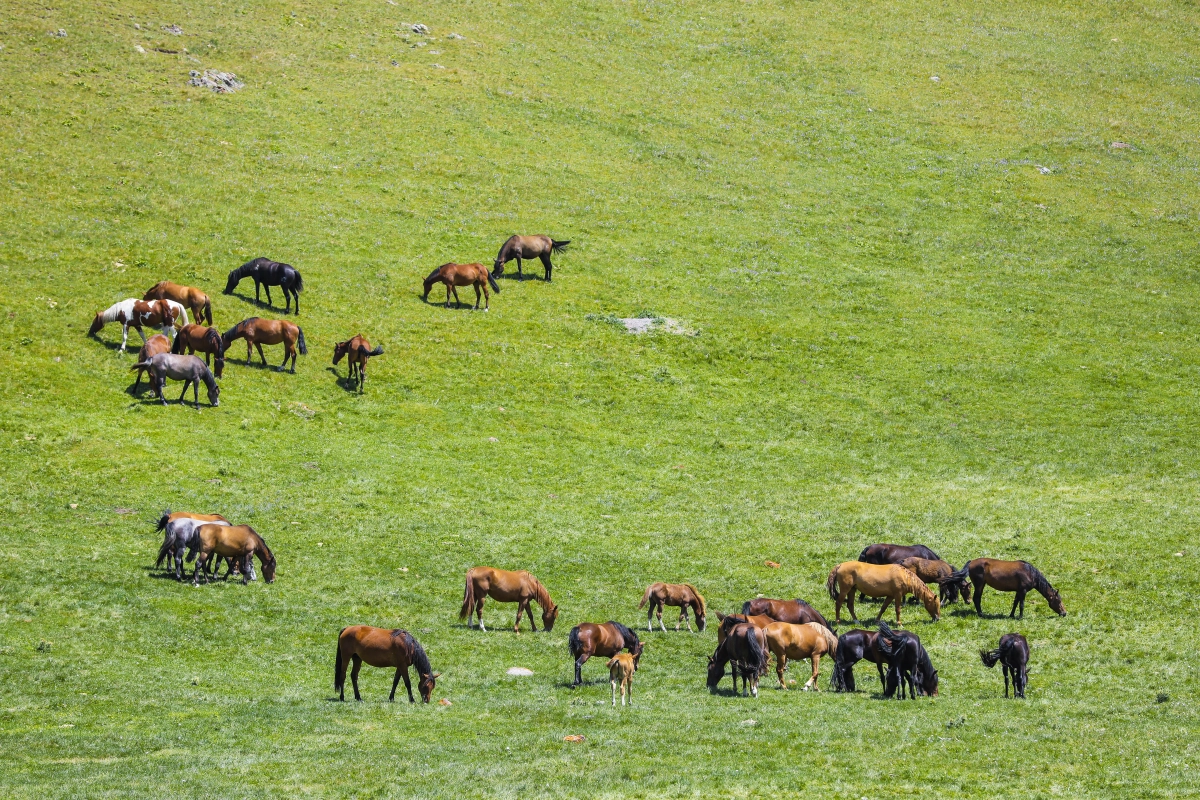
point(520, 247)
point(1009, 576)
point(908, 663)
point(268, 273)
point(180, 531)
point(746, 648)
point(810, 640)
point(158, 343)
point(795, 611)
point(895, 553)
point(134, 313)
point(601, 639)
point(1013, 655)
point(518, 587)
point(620, 670)
point(205, 340)
point(854, 646)
point(189, 369)
point(230, 541)
point(356, 351)
point(187, 296)
point(728, 621)
point(939, 572)
point(890, 581)
point(257, 331)
point(683, 595)
point(380, 647)
point(455, 275)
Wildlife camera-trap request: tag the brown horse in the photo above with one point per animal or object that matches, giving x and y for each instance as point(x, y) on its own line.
point(620, 670)
point(455, 275)
point(356, 351)
point(1009, 576)
point(189, 297)
point(230, 541)
point(197, 338)
point(939, 572)
point(683, 595)
point(520, 247)
point(134, 313)
point(601, 639)
point(890, 581)
point(518, 587)
point(380, 647)
point(158, 343)
point(257, 331)
point(810, 640)
point(795, 611)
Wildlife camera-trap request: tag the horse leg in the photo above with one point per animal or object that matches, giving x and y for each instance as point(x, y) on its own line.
point(124, 336)
point(658, 609)
point(479, 612)
point(447, 294)
point(185, 388)
point(196, 393)
point(1004, 669)
point(267, 286)
point(287, 298)
point(579, 662)
point(1019, 599)
point(650, 617)
point(395, 683)
point(354, 675)
point(457, 302)
point(780, 666)
point(684, 616)
point(546, 263)
point(520, 608)
point(476, 285)
point(879, 668)
point(978, 596)
point(520, 274)
point(261, 354)
point(487, 298)
point(247, 568)
point(613, 681)
point(529, 611)
point(812, 684)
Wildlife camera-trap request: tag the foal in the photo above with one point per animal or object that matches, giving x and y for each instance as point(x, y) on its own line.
point(356, 351)
point(1013, 655)
point(683, 595)
point(455, 275)
point(620, 670)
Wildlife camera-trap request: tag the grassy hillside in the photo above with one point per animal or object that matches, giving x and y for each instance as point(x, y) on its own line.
point(936, 301)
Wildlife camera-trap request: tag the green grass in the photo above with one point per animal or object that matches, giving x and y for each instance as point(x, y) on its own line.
point(907, 332)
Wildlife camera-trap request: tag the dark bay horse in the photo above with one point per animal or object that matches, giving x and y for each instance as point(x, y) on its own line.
point(1009, 576)
point(520, 247)
point(601, 639)
point(506, 586)
point(746, 648)
point(240, 542)
point(1013, 655)
point(682, 595)
point(909, 663)
point(268, 273)
point(795, 611)
point(854, 646)
point(728, 621)
point(380, 647)
point(895, 553)
point(356, 350)
point(455, 275)
point(189, 297)
point(195, 338)
point(257, 331)
point(158, 343)
point(189, 369)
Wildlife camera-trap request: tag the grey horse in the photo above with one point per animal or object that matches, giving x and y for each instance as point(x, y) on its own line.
point(188, 369)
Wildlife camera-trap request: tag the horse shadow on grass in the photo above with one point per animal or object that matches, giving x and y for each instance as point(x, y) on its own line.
point(346, 382)
point(454, 305)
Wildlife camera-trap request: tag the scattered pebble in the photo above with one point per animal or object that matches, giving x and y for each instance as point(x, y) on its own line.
point(395, 63)
point(935, 79)
point(493, 439)
point(174, 30)
point(520, 671)
point(59, 34)
point(1121, 146)
point(1044, 170)
point(454, 36)
point(139, 48)
point(125, 511)
point(1179, 555)
point(423, 30)
point(575, 737)
point(647, 324)
point(437, 66)
point(773, 564)
point(74, 505)
point(219, 82)
point(749, 722)
point(404, 569)
point(444, 702)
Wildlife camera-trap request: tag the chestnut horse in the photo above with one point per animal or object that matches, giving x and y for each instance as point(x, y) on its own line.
point(810, 640)
point(134, 313)
point(518, 587)
point(795, 611)
point(230, 541)
point(158, 343)
point(205, 340)
point(455, 275)
point(620, 670)
point(683, 595)
point(746, 648)
point(257, 331)
point(939, 572)
point(601, 639)
point(890, 581)
point(520, 247)
point(1009, 576)
point(356, 351)
point(1013, 655)
point(380, 647)
point(189, 297)
point(854, 646)
point(268, 273)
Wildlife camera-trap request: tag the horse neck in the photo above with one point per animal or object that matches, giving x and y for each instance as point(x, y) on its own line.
point(260, 547)
point(1040, 584)
point(542, 596)
point(210, 383)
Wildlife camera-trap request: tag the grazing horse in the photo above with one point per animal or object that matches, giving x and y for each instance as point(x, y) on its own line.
point(895, 553)
point(601, 639)
point(158, 343)
point(746, 648)
point(380, 647)
point(728, 621)
point(908, 663)
point(1013, 655)
point(230, 541)
point(620, 670)
point(257, 331)
point(189, 369)
point(810, 640)
point(356, 351)
point(268, 273)
point(455, 275)
point(518, 587)
point(187, 296)
point(890, 581)
point(205, 340)
point(520, 247)
point(939, 572)
point(1009, 576)
point(795, 611)
point(180, 531)
point(683, 595)
point(134, 313)
point(854, 646)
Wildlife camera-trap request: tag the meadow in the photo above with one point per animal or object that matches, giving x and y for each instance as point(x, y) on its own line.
point(938, 268)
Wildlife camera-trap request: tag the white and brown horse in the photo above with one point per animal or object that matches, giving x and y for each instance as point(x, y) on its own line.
point(134, 313)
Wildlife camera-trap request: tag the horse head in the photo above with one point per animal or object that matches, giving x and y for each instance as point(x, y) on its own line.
point(700, 622)
point(268, 569)
point(339, 350)
point(549, 615)
point(425, 685)
point(214, 400)
point(715, 673)
point(1055, 601)
point(932, 605)
point(232, 282)
point(636, 651)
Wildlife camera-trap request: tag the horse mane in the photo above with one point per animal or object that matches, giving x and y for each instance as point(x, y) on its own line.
point(163, 520)
point(236, 329)
point(419, 659)
point(269, 554)
point(429, 280)
point(214, 338)
point(700, 598)
point(1039, 580)
point(543, 596)
point(831, 639)
point(631, 639)
point(989, 657)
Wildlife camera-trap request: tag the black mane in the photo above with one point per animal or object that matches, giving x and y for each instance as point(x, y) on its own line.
point(631, 639)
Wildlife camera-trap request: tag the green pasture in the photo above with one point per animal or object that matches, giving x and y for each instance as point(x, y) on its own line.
point(940, 262)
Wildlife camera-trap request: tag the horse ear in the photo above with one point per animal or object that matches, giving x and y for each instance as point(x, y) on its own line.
point(437, 675)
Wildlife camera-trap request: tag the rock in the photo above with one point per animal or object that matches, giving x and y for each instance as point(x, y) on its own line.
point(1044, 170)
point(220, 82)
point(520, 671)
point(437, 66)
point(454, 36)
point(74, 505)
point(139, 48)
point(59, 34)
point(773, 564)
point(749, 722)
point(935, 79)
point(174, 30)
point(421, 29)
point(444, 702)
point(493, 439)
point(1121, 146)
point(395, 63)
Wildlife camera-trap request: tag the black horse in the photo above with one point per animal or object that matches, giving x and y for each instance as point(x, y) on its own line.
point(268, 273)
point(749, 657)
point(1013, 655)
point(895, 553)
point(908, 661)
point(854, 646)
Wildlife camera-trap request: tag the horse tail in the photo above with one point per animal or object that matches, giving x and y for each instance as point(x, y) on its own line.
point(989, 657)
point(759, 656)
point(468, 598)
point(558, 247)
point(492, 281)
point(207, 310)
point(193, 548)
point(162, 551)
point(573, 642)
point(300, 345)
point(363, 351)
point(339, 666)
point(646, 597)
point(140, 365)
point(177, 345)
point(831, 583)
point(163, 520)
point(299, 286)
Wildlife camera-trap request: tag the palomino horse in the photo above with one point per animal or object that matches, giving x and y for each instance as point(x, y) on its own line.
point(939, 572)
point(795, 611)
point(230, 541)
point(518, 587)
point(889, 581)
point(268, 273)
point(895, 553)
point(134, 313)
point(356, 350)
point(189, 369)
point(257, 331)
point(683, 595)
point(1009, 576)
point(455, 275)
point(810, 640)
point(620, 670)
point(158, 343)
point(908, 663)
point(1013, 655)
point(187, 296)
point(746, 648)
point(601, 639)
point(380, 647)
point(520, 247)
point(854, 646)
point(205, 340)
point(179, 531)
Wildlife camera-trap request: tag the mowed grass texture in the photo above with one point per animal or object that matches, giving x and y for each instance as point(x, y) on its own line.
point(943, 311)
